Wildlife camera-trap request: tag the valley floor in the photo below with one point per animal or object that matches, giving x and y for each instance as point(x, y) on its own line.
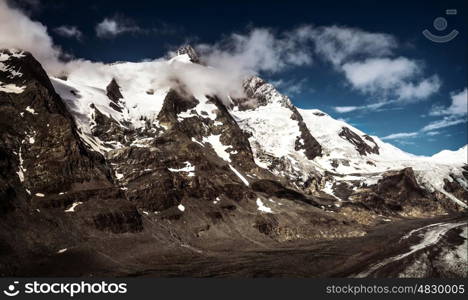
point(435, 247)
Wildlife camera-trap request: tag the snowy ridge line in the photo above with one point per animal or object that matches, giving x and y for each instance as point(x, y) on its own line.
point(274, 130)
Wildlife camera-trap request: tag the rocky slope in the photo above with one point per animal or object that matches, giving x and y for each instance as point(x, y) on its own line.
point(110, 168)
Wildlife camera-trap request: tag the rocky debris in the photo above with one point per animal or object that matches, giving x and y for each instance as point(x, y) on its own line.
point(361, 146)
point(108, 129)
point(456, 186)
point(336, 162)
point(187, 49)
point(398, 192)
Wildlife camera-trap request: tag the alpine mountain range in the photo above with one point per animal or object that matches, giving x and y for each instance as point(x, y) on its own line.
point(114, 175)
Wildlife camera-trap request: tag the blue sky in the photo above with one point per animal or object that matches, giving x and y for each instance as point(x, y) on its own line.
point(366, 62)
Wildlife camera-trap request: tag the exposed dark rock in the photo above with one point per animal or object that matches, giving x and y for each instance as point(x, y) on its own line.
point(266, 224)
point(107, 129)
point(113, 91)
point(361, 146)
point(454, 187)
point(119, 221)
point(306, 141)
point(276, 189)
point(229, 207)
point(215, 216)
point(320, 114)
point(114, 94)
point(255, 99)
point(187, 49)
point(375, 148)
point(465, 171)
point(63, 76)
point(398, 191)
point(45, 167)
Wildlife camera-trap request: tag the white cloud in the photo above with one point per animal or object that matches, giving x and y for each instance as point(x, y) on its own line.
point(358, 54)
point(390, 77)
point(445, 122)
point(345, 109)
point(458, 107)
point(19, 31)
point(405, 142)
point(69, 32)
point(111, 27)
point(400, 135)
point(373, 107)
point(258, 51)
point(338, 44)
point(454, 114)
point(229, 60)
point(367, 61)
point(416, 91)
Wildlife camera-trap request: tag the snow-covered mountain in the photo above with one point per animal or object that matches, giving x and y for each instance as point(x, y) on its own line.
point(459, 156)
point(274, 125)
point(151, 149)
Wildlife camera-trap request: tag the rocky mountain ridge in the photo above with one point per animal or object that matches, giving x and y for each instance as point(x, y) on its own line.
point(91, 164)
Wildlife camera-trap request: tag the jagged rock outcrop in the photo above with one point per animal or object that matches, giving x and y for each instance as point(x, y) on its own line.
point(259, 93)
point(187, 49)
point(114, 94)
point(305, 141)
point(399, 192)
point(361, 146)
point(113, 91)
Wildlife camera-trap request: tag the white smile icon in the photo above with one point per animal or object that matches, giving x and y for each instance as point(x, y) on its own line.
point(10, 292)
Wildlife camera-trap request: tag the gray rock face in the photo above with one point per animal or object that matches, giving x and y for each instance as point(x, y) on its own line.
point(187, 49)
point(361, 146)
point(306, 141)
point(395, 191)
point(259, 93)
point(114, 94)
point(46, 167)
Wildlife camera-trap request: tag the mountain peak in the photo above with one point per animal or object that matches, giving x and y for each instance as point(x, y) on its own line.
point(459, 156)
point(187, 49)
